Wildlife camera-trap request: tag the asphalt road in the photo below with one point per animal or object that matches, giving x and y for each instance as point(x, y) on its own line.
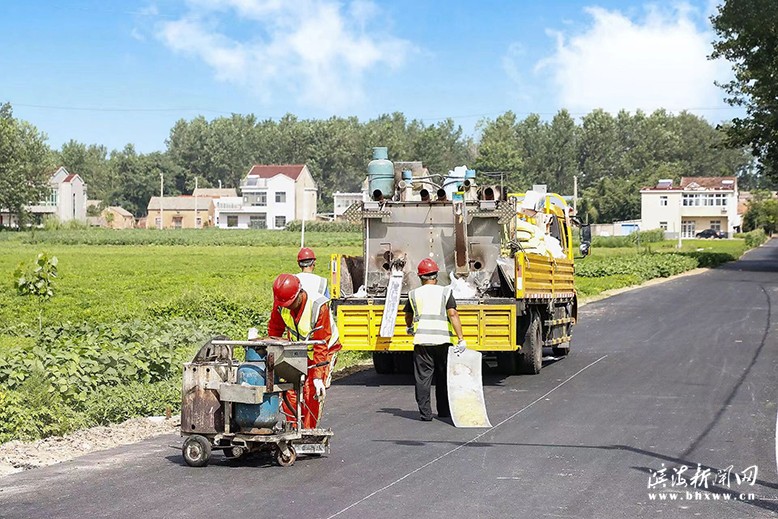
point(677, 374)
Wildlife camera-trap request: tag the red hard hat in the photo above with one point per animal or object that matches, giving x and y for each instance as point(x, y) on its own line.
point(285, 289)
point(427, 266)
point(306, 254)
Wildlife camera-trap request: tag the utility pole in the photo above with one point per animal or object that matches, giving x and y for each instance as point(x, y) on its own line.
point(302, 233)
point(195, 197)
point(680, 219)
point(575, 194)
point(161, 200)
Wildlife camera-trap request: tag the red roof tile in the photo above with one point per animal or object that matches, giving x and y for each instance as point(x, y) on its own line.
point(70, 177)
point(268, 171)
point(710, 182)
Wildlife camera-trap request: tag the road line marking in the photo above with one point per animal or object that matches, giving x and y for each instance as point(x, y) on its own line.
point(511, 417)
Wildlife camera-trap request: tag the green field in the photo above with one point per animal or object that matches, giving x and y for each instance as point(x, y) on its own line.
point(131, 306)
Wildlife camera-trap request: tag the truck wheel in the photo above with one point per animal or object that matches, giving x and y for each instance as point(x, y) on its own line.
point(532, 347)
point(560, 350)
point(196, 451)
point(507, 362)
point(403, 362)
point(383, 362)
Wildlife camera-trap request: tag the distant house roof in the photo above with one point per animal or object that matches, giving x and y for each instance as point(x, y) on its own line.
point(215, 192)
point(121, 210)
point(268, 171)
point(178, 203)
point(728, 183)
point(70, 177)
point(696, 183)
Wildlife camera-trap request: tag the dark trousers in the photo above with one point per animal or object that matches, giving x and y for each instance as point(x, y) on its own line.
point(429, 360)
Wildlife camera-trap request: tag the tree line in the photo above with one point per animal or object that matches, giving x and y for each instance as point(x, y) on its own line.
point(612, 156)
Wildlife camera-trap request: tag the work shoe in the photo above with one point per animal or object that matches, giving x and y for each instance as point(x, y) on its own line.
point(425, 418)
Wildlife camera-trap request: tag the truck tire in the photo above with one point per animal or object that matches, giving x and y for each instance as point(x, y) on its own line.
point(560, 350)
point(532, 347)
point(403, 362)
point(383, 362)
point(507, 362)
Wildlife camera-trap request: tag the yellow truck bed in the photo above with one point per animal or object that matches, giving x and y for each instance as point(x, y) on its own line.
point(487, 326)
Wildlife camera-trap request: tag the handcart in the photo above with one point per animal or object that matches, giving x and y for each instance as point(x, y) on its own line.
point(235, 406)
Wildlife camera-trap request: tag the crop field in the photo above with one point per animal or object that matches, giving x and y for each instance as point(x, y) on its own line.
point(129, 307)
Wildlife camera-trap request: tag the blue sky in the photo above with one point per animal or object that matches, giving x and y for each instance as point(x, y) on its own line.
point(123, 72)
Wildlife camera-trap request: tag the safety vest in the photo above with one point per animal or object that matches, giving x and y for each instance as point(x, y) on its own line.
point(313, 284)
point(302, 330)
point(430, 318)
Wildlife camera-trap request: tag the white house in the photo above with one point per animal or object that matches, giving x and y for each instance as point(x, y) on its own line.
point(699, 203)
point(271, 196)
point(342, 201)
point(66, 200)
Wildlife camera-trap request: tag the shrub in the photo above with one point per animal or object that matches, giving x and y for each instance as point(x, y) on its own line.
point(112, 404)
point(643, 266)
point(755, 238)
point(319, 226)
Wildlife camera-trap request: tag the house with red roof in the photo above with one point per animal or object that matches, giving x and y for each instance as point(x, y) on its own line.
point(66, 199)
point(696, 204)
point(270, 197)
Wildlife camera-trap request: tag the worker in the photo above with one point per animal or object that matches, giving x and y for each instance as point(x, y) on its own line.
point(312, 283)
point(300, 316)
point(431, 317)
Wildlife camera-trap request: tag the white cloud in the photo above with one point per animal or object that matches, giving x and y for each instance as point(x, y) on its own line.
point(319, 50)
point(622, 63)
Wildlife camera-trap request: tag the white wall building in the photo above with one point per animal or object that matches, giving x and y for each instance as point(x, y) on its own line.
point(342, 201)
point(270, 197)
point(66, 200)
point(699, 203)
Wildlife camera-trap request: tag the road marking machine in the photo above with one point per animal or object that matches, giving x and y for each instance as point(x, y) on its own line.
point(235, 406)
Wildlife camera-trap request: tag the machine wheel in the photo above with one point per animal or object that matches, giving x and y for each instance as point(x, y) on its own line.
point(286, 461)
point(235, 453)
point(383, 362)
point(507, 362)
point(532, 347)
point(196, 451)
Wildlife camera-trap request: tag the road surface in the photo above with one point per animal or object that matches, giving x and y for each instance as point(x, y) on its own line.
point(676, 374)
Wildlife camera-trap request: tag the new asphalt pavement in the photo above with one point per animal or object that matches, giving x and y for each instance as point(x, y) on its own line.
point(666, 407)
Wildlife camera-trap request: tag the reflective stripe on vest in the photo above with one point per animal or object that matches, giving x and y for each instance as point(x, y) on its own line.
point(431, 324)
point(302, 330)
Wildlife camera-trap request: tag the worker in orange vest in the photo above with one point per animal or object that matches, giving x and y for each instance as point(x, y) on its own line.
point(300, 316)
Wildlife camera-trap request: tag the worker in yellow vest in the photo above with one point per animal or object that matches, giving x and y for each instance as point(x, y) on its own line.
point(431, 317)
point(300, 316)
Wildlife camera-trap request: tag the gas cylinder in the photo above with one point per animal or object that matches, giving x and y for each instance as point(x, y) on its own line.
point(380, 174)
point(265, 414)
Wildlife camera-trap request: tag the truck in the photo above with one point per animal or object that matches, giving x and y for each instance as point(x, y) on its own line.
point(513, 297)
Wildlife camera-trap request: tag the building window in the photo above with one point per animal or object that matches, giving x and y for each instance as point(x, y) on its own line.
point(198, 222)
point(158, 222)
point(663, 200)
point(281, 197)
point(232, 221)
point(715, 225)
point(663, 226)
point(260, 200)
point(258, 221)
point(53, 198)
point(280, 220)
point(178, 222)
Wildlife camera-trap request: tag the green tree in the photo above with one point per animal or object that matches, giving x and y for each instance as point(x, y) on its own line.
point(762, 213)
point(499, 149)
point(91, 163)
point(748, 38)
point(24, 164)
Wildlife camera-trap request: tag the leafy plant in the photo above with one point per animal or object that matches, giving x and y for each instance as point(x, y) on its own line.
point(37, 279)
